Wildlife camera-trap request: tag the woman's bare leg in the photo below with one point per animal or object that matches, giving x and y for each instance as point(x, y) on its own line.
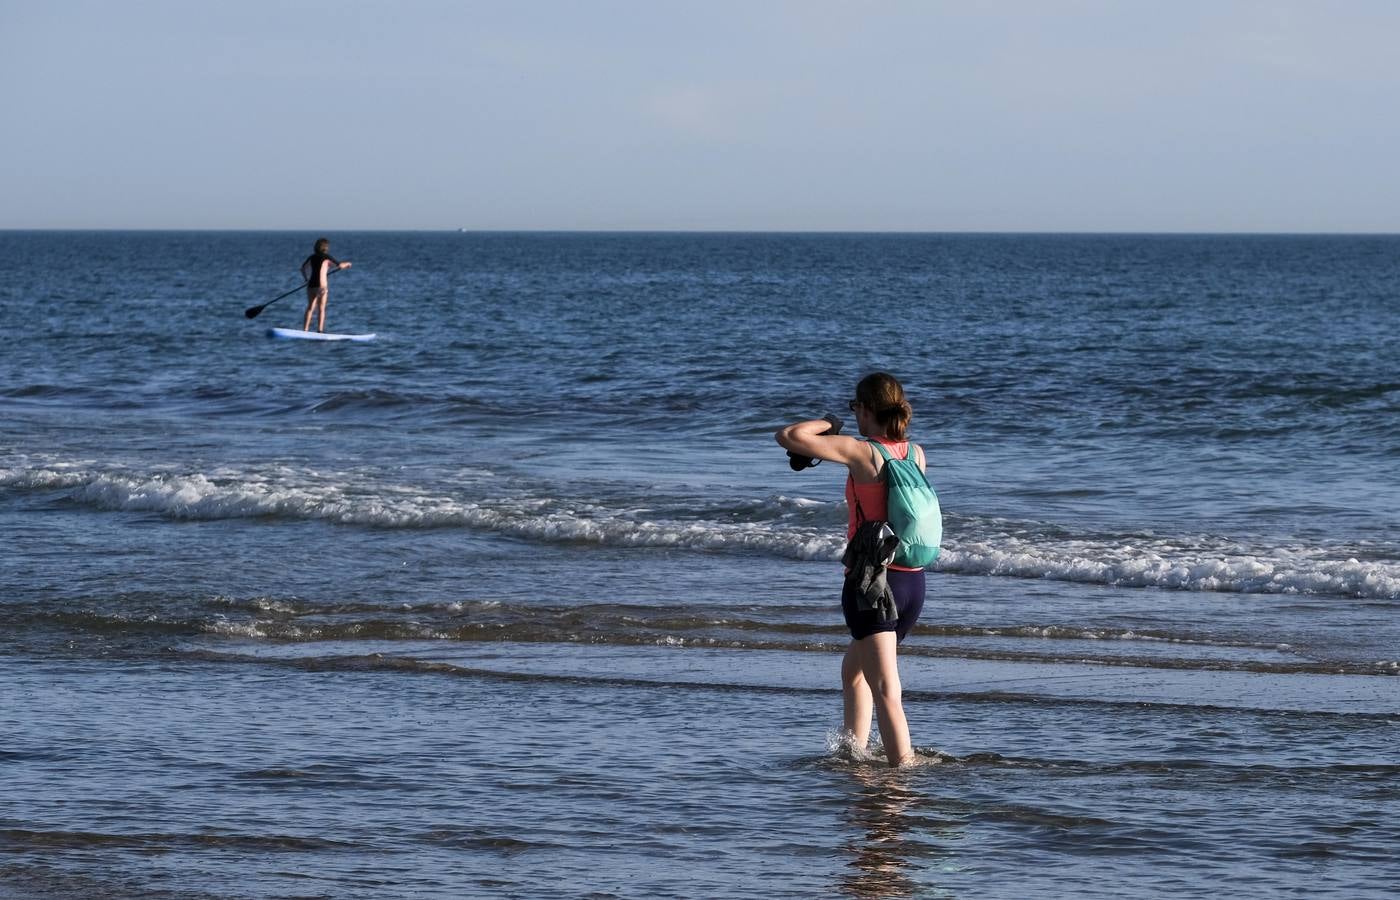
point(315, 305)
point(876, 655)
point(855, 696)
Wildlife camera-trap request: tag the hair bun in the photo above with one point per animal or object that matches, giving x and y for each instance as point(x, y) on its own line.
point(902, 408)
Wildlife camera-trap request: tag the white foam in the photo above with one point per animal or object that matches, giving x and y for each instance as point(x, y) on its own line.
point(236, 629)
point(789, 527)
point(43, 478)
point(312, 496)
point(1164, 565)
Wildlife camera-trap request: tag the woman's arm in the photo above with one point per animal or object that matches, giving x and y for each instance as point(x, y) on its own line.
point(807, 439)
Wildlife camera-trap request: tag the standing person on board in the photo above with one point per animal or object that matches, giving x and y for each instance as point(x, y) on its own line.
point(316, 270)
point(869, 671)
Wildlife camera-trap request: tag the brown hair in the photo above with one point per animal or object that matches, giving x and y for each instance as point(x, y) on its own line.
point(322, 245)
point(883, 395)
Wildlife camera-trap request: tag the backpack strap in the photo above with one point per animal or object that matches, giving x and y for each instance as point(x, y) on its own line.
point(915, 453)
point(860, 513)
point(908, 454)
point(888, 456)
point(875, 457)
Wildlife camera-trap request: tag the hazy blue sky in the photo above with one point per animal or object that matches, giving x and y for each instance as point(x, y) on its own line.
point(1051, 115)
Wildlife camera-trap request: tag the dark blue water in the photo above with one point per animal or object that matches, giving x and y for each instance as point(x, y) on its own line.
point(522, 598)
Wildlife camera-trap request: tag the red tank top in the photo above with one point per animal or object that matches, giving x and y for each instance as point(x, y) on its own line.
point(871, 496)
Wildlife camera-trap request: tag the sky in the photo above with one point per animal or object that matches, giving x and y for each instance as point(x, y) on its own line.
point(809, 115)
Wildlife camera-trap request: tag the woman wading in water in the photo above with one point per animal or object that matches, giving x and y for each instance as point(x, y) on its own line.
point(869, 672)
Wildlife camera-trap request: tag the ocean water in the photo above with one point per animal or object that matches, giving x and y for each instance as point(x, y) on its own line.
point(522, 599)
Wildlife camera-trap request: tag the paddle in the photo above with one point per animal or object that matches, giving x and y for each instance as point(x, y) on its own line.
point(253, 312)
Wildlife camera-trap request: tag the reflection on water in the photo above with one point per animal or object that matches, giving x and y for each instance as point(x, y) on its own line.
point(895, 842)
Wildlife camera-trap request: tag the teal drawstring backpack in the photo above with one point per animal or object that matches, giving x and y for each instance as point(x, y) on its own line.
point(912, 509)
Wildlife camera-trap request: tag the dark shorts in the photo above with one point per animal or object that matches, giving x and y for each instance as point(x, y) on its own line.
point(908, 590)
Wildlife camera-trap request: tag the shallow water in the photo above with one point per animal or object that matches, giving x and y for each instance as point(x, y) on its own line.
point(522, 599)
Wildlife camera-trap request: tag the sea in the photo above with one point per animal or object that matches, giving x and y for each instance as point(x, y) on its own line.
point(522, 599)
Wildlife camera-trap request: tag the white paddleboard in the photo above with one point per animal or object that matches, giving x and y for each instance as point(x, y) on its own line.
point(296, 334)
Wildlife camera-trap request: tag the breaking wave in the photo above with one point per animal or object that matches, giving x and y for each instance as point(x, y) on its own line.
point(781, 526)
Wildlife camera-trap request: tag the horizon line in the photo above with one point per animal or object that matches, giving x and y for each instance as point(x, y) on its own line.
point(717, 231)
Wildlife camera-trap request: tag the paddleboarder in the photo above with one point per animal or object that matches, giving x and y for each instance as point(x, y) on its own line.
point(315, 269)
